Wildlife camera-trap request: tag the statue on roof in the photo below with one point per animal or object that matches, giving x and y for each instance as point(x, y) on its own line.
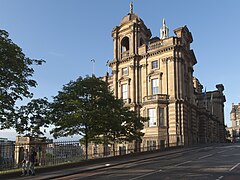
point(131, 7)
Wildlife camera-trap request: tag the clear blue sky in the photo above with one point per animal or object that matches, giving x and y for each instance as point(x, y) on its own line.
point(69, 33)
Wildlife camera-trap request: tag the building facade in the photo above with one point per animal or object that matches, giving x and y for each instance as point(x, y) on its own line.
point(235, 119)
point(154, 76)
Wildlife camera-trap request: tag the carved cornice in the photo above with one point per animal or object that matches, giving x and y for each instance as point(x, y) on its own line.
point(131, 56)
point(114, 61)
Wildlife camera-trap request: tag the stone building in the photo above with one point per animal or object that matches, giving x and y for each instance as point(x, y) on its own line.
point(154, 76)
point(25, 143)
point(235, 118)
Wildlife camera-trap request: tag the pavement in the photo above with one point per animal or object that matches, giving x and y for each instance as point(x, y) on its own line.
point(90, 165)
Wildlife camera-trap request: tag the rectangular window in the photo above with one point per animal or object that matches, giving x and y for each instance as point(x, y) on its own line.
point(124, 91)
point(155, 64)
point(161, 117)
point(154, 86)
point(152, 117)
point(237, 123)
point(124, 71)
point(151, 145)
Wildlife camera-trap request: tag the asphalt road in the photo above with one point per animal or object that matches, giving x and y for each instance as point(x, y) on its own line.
point(214, 162)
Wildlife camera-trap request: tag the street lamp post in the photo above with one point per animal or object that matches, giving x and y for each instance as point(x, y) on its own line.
point(93, 62)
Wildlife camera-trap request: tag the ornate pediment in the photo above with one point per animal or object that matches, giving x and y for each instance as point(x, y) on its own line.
point(155, 74)
point(124, 79)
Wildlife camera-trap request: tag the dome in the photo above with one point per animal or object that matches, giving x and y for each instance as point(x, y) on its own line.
point(130, 17)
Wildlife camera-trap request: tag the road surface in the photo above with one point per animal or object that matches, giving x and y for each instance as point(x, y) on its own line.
point(213, 162)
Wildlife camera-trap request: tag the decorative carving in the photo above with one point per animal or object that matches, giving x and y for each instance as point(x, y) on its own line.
point(143, 66)
point(164, 60)
point(129, 80)
point(161, 74)
point(171, 58)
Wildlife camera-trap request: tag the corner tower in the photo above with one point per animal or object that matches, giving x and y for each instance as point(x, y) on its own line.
point(128, 36)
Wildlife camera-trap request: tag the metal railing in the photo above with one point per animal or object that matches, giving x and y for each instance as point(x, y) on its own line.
point(155, 45)
point(55, 153)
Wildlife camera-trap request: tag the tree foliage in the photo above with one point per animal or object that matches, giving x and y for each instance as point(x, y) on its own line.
point(86, 107)
point(15, 78)
point(32, 117)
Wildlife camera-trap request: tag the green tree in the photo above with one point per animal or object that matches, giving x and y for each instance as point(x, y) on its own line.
point(31, 118)
point(132, 126)
point(86, 107)
point(119, 123)
point(75, 110)
point(15, 78)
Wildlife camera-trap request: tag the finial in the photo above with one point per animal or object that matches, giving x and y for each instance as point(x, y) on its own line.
point(164, 31)
point(164, 23)
point(131, 7)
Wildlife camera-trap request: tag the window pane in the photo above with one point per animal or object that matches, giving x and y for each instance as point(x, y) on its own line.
point(161, 116)
point(124, 71)
point(124, 91)
point(152, 117)
point(154, 86)
point(154, 64)
point(151, 145)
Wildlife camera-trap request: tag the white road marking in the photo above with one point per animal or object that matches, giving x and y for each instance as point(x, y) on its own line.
point(182, 163)
point(154, 172)
point(205, 156)
point(234, 167)
point(222, 151)
point(219, 177)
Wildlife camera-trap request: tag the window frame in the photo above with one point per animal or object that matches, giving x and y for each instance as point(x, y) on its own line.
point(152, 122)
point(162, 117)
point(155, 89)
point(124, 91)
point(124, 71)
point(154, 64)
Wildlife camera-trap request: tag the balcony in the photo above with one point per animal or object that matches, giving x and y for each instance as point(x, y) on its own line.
point(156, 98)
point(155, 45)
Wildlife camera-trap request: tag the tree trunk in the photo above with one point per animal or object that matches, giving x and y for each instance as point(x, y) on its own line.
point(114, 138)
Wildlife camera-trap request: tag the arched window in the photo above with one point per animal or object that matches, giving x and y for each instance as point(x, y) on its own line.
point(125, 44)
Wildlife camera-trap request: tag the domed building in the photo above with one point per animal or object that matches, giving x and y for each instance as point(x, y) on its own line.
point(154, 77)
